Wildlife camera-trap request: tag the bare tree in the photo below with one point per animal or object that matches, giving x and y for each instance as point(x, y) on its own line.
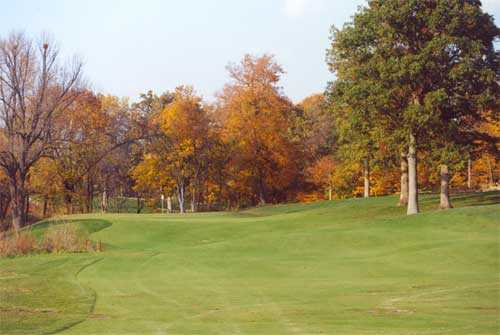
point(34, 89)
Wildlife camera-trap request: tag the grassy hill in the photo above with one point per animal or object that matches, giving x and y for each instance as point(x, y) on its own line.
point(342, 267)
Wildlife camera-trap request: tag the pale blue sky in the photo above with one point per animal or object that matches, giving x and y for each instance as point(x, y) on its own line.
point(130, 46)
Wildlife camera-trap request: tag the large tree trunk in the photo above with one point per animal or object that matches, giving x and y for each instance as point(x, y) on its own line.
point(403, 196)
point(445, 197)
point(18, 204)
point(330, 192)
point(469, 173)
point(412, 177)
point(18, 192)
point(366, 176)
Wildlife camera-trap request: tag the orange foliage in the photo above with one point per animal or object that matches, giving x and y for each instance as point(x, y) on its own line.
point(321, 174)
point(256, 122)
point(177, 161)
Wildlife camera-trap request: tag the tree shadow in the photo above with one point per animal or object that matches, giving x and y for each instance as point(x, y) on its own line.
point(476, 198)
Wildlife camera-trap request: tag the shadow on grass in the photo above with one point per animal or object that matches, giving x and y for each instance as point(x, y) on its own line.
point(89, 226)
point(476, 198)
point(466, 199)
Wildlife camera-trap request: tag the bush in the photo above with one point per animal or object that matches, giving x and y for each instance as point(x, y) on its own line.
point(61, 237)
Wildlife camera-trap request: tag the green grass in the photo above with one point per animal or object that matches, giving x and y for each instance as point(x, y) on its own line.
point(343, 267)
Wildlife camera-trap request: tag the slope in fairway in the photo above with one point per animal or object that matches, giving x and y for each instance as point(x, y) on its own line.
point(342, 267)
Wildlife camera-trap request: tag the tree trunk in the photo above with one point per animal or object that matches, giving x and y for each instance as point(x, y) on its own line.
point(412, 177)
point(193, 199)
point(104, 201)
point(69, 189)
point(45, 204)
point(366, 176)
point(4, 205)
point(68, 199)
point(403, 197)
point(445, 197)
point(90, 195)
point(490, 172)
point(262, 201)
point(262, 198)
point(17, 185)
point(139, 205)
point(17, 209)
point(169, 204)
point(469, 173)
point(180, 197)
point(27, 204)
point(329, 193)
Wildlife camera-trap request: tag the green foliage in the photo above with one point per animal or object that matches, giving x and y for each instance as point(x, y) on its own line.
point(417, 66)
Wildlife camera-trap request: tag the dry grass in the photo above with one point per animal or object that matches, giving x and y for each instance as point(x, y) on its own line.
point(17, 244)
point(57, 238)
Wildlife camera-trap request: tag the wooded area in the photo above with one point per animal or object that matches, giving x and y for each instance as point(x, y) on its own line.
point(412, 107)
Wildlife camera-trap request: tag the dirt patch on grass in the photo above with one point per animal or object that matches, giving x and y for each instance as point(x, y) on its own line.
point(11, 275)
point(392, 311)
point(21, 310)
point(24, 290)
point(98, 317)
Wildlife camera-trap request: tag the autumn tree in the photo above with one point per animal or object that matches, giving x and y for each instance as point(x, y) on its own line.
point(321, 174)
point(256, 123)
point(35, 89)
point(93, 155)
point(176, 159)
point(185, 123)
point(485, 150)
point(49, 192)
point(314, 127)
point(146, 109)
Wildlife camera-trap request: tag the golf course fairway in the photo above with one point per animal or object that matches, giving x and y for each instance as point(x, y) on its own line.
point(358, 266)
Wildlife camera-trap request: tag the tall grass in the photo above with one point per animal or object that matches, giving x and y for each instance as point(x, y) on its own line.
point(57, 238)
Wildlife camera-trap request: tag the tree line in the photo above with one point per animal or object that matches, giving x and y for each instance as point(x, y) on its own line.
point(413, 107)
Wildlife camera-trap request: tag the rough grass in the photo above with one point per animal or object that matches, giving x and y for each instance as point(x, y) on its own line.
point(343, 267)
point(56, 236)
